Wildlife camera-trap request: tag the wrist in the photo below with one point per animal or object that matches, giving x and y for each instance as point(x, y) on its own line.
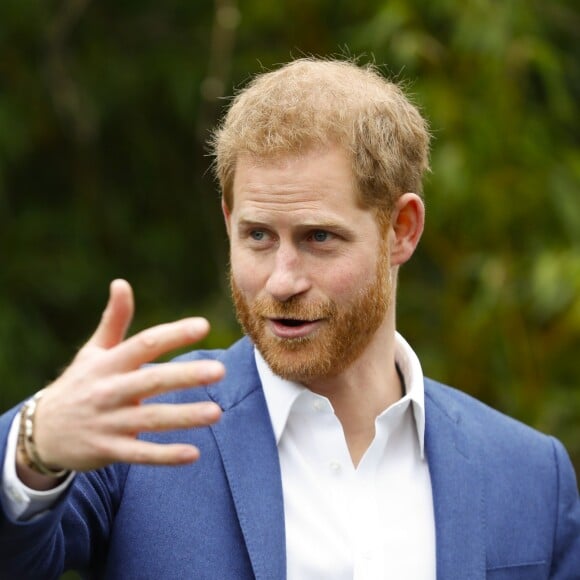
point(27, 449)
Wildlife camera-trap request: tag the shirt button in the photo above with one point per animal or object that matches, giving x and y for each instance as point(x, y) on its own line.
point(334, 466)
point(318, 405)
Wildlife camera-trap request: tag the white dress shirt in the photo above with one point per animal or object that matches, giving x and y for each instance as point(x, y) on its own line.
point(375, 521)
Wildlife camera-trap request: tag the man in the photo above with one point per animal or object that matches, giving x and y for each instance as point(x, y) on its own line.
point(324, 451)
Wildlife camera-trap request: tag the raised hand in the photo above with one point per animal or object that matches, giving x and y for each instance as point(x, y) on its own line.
point(90, 416)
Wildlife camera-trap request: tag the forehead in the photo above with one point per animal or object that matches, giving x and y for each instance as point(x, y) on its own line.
point(318, 180)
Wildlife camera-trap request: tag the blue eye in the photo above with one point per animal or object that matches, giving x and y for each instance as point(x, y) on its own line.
point(320, 236)
point(257, 235)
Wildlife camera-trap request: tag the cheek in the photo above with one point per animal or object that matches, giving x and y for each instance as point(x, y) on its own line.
point(247, 274)
point(343, 282)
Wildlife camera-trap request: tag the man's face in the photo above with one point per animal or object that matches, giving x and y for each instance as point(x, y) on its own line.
point(309, 266)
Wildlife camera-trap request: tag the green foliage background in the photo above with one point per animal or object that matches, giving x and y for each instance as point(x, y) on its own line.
point(104, 111)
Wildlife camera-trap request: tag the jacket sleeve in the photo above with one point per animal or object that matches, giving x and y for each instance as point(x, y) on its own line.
point(73, 534)
point(566, 555)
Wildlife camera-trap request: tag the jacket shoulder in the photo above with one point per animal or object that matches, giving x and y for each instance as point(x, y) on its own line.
point(472, 414)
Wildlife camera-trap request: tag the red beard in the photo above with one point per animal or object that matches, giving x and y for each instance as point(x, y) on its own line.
point(343, 334)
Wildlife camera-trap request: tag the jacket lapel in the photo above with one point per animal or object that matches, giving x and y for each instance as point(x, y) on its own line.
point(246, 442)
point(457, 484)
point(250, 457)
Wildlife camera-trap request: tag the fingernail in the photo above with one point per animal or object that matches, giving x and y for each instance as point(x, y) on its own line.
point(211, 370)
point(210, 411)
point(198, 325)
point(189, 454)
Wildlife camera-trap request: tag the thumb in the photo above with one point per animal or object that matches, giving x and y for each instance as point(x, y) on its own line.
point(116, 317)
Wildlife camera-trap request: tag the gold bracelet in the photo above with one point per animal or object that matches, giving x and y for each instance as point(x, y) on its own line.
point(26, 442)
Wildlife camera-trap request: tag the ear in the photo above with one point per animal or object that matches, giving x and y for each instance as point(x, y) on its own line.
point(407, 222)
point(227, 216)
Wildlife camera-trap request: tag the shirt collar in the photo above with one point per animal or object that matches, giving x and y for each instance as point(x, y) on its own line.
point(282, 394)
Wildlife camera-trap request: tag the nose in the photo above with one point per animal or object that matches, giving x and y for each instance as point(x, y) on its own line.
point(288, 277)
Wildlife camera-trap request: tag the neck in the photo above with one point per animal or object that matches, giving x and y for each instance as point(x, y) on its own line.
point(364, 390)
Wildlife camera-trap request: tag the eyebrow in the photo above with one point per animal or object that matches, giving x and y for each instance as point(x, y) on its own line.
point(323, 224)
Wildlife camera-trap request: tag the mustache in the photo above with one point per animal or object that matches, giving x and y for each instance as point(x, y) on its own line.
point(294, 307)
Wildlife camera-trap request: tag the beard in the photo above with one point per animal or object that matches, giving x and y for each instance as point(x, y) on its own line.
point(344, 332)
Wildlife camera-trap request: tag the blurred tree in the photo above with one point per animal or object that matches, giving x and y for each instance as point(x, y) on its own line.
point(104, 111)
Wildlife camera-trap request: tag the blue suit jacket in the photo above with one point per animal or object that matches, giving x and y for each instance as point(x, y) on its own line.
point(505, 497)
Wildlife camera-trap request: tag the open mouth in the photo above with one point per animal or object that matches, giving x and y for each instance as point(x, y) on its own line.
point(293, 327)
point(292, 322)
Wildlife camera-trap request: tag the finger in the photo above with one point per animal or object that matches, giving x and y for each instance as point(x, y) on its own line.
point(146, 453)
point(163, 417)
point(150, 344)
point(116, 316)
point(157, 379)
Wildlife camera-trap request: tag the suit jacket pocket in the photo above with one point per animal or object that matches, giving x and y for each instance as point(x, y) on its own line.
point(531, 571)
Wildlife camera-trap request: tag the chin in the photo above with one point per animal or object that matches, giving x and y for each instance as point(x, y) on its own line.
point(300, 361)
